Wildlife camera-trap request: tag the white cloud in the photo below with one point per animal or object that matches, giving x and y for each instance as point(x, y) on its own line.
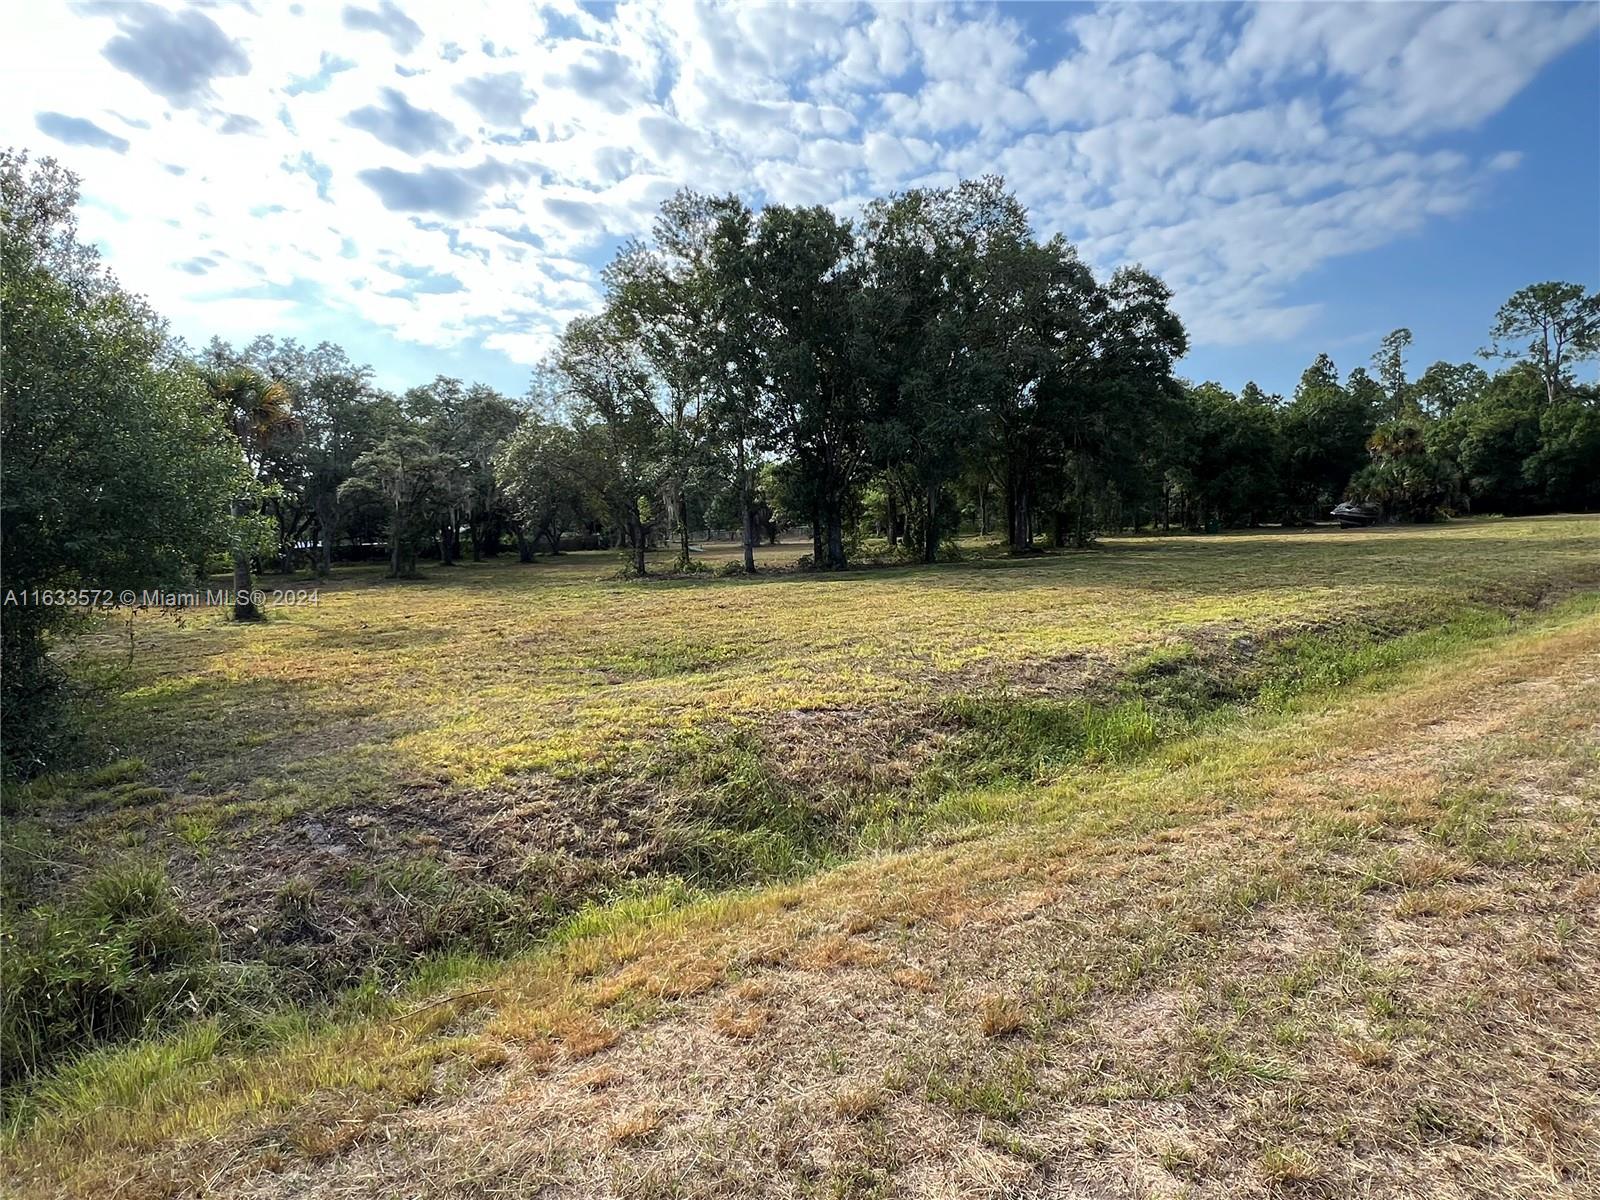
point(1233, 153)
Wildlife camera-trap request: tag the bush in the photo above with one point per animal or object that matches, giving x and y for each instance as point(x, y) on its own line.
point(34, 697)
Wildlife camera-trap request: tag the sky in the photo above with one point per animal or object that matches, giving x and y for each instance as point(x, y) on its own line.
point(435, 186)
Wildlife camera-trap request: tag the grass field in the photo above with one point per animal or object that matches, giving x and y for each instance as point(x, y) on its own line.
point(1237, 865)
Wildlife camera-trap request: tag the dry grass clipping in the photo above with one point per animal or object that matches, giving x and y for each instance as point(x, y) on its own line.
point(1000, 1016)
point(740, 1021)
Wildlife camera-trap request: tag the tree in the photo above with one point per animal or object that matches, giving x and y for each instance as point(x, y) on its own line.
point(808, 289)
point(1565, 469)
point(1366, 392)
point(305, 460)
point(738, 406)
point(256, 408)
point(926, 367)
point(1324, 431)
point(543, 471)
point(1490, 437)
point(660, 300)
point(1037, 327)
point(1445, 387)
point(1229, 471)
point(1390, 364)
point(1551, 325)
point(467, 424)
point(411, 478)
point(1131, 394)
point(1407, 479)
point(608, 383)
point(118, 467)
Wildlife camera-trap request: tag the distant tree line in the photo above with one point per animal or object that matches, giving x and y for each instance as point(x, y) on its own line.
point(930, 369)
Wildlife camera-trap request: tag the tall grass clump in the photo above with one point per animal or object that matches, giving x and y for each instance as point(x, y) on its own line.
point(1007, 739)
point(118, 959)
point(736, 820)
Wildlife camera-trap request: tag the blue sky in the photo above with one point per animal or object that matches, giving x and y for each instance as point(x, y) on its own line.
point(435, 186)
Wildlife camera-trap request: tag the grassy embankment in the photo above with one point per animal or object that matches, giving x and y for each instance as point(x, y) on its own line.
point(1120, 659)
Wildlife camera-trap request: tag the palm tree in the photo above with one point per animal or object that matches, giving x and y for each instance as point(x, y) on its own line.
point(257, 410)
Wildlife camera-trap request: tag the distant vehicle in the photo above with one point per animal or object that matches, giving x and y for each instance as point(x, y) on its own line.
point(1351, 515)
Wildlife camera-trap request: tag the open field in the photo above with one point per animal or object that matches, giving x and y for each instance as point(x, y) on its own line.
point(1233, 865)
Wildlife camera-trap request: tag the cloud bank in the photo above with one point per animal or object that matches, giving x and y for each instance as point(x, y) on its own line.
point(457, 178)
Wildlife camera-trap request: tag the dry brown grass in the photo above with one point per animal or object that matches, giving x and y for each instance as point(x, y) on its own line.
point(1288, 1164)
point(835, 951)
point(740, 1021)
point(915, 979)
point(582, 1036)
point(857, 1101)
point(1000, 1016)
point(858, 922)
point(598, 1079)
point(635, 1125)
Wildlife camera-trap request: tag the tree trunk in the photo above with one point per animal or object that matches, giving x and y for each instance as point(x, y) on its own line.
point(447, 556)
point(683, 531)
point(930, 525)
point(817, 560)
point(747, 509)
point(636, 533)
point(1021, 520)
point(524, 546)
point(888, 493)
point(835, 538)
point(1079, 541)
point(244, 608)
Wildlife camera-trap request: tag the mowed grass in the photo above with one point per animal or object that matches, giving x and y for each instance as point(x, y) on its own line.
point(311, 810)
point(483, 672)
point(1345, 944)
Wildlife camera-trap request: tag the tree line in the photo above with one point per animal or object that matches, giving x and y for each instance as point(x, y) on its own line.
point(931, 368)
